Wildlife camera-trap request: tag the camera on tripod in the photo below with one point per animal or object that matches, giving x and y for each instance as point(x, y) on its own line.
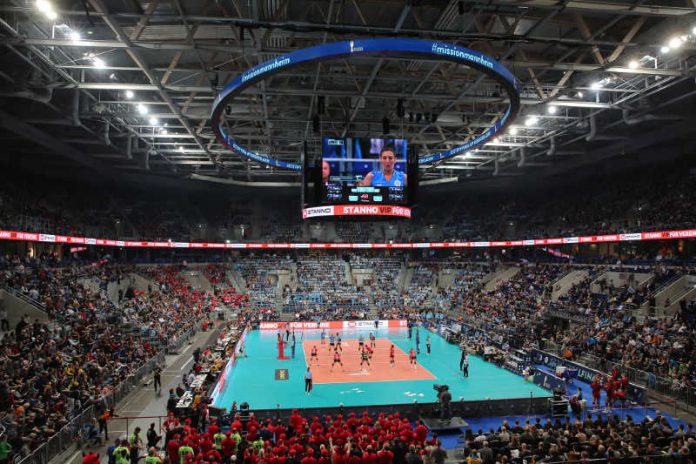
point(440, 388)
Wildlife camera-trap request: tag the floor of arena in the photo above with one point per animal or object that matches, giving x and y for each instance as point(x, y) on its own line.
point(266, 382)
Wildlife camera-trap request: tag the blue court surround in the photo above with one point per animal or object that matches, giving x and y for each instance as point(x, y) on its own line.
point(414, 48)
point(252, 379)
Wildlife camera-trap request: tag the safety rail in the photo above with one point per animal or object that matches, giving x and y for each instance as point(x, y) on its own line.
point(27, 299)
point(652, 383)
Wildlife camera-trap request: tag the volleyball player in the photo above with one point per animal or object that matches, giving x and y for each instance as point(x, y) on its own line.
point(314, 356)
point(332, 342)
point(391, 356)
point(361, 342)
point(364, 358)
point(373, 341)
point(336, 359)
point(412, 357)
point(338, 342)
point(323, 336)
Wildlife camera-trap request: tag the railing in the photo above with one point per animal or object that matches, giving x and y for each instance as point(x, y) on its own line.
point(26, 298)
point(653, 383)
point(68, 435)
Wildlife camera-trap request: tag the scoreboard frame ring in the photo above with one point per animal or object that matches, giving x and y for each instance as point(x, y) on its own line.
point(416, 48)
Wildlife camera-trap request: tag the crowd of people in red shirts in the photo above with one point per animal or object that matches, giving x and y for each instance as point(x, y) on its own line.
point(341, 439)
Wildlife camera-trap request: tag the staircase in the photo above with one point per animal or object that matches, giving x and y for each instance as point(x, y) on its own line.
point(500, 276)
point(237, 280)
point(563, 285)
point(683, 288)
point(19, 304)
point(196, 279)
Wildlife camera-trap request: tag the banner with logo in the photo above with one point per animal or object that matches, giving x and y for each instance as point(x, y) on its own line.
point(586, 374)
point(333, 325)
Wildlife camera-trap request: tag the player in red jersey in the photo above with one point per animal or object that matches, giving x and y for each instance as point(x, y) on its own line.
point(391, 356)
point(412, 357)
point(336, 359)
point(314, 356)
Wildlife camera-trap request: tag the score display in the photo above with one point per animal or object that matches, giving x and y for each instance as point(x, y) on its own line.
point(359, 178)
point(364, 171)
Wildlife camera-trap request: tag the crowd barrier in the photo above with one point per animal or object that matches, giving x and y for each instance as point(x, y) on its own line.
point(652, 383)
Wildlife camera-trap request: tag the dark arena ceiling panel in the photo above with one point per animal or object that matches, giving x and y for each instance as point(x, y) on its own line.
point(127, 86)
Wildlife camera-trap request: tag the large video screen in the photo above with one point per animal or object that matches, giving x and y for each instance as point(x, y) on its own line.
point(364, 170)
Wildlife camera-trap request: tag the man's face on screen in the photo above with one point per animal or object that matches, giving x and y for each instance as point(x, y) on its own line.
point(325, 171)
point(387, 159)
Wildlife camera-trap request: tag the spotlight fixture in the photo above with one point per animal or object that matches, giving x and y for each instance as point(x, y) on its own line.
point(410, 116)
point(46, 8)
point(98, 63)
point(513, 130)
point(552, 109)
point(531, 120)
point(633, 64)
point(142, 109)
point(129, 94)
point(419, 117)
point(675, 42)
point(74, 36)
point(153, 121)
point(400, 108)
point(579, 94)
point(181, 149)
point(164, 132)
point(596, 85)
point(664, 49)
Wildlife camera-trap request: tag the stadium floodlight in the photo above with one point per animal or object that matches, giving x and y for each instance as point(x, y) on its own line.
point(552, 109)
point(675, 42)
point(513, 130)
point(181, 149)
point(633, 64)
point(129, 94)
point(531, 120)
point(74, 36)
point(153, 121)
point(164, 132)
point(98, 63)
point(52, 15)
point(142, 109)
point(596, 85)
point(665, 49)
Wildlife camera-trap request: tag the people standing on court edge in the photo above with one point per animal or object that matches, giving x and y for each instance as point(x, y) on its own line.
point(464, 363)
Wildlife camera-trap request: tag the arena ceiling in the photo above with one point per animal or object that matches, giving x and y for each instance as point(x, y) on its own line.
point(127, 86)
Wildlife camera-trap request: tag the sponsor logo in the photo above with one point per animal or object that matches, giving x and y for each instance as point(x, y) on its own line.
point(335, 142)
point(319, 211)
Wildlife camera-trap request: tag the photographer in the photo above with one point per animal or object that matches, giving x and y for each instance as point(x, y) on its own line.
point(444, 397)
